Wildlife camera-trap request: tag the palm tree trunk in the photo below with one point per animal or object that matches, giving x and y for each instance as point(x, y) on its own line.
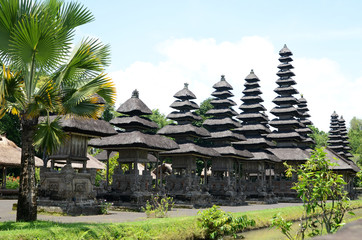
point(27, 207)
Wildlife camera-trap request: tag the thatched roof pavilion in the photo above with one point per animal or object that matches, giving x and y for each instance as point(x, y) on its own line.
point(134, 146)
point(287, 120)
point(304, 119)
point(254, 128)
point(10, 156)
point(335, 141)
point(344, 135)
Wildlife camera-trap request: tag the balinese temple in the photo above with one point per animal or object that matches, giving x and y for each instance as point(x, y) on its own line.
point(344, 135)
point(335, 140)
point(225, 182)
point(286, 122)
point(304, 116)
point(257, 172)
point(183, 184)
point(70, 185)
point(338, 147)
point(133, 145)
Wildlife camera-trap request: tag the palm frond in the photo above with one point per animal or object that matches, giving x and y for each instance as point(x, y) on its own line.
point(74, 14)
point(86, 62)
point(49, 135)
point(86, 108)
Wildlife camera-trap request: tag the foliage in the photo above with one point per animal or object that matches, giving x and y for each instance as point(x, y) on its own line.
point(12, 182)
point(159, 118)
point(108, 113)
point(204, 107)
point(316, 185)
point(285, 226)
point(10, 126)
point(320, 137)
point(355, 139)
point(217, 223)
point(105, 206)
point(158, 206)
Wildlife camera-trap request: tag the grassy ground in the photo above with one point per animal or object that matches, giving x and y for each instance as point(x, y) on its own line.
point(166, 228)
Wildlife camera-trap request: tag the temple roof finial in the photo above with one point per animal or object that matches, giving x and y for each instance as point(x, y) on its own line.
point(252, 71)
point(222, 77)
point(135, 94)
point(186, 85)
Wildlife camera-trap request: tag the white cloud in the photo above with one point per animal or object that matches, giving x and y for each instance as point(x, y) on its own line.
point(201, 62)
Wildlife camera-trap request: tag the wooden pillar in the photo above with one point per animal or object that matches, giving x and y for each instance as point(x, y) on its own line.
point(107, 170)
point(4, 178)
point(161, 175)
point(205, 172)
point(84, 166)
point(157, 168)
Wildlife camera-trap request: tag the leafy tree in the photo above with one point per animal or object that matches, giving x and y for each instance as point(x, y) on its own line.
point(10, 126)
point(355, 139)
point(320, 137)
point(204, 107)
point(325, 201)
point(35, 40)
point(159, 118)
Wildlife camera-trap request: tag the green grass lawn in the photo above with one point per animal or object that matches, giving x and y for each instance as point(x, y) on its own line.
point(161, 228)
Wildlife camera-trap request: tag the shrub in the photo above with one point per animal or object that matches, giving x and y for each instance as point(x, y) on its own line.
point(105, 206)
point(217, 223)
point(12, 182)
point(158, 206)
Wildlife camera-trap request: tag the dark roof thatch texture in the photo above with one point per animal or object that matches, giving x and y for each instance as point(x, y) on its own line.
point(87, 126)
point(192, 149)
point(134, 106)
point(290, 154)
point(10, 154)
point(185, 93)
point(134, 139)
point(186, 129)
point(134, 121)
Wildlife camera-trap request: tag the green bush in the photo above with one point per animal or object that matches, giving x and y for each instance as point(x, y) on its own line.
point(217, 223)
point(158, 206)
point(12, 182)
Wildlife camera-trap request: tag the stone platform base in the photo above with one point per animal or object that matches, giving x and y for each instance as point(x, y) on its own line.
point(70, 208)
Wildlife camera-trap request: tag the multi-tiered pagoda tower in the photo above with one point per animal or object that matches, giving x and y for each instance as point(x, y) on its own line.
point(257, 171)
point(224, 184)
point(133, 145)
point(183, 183)
point(335, 141)
point(344, 135)
point(286, 122)
point(304, 119)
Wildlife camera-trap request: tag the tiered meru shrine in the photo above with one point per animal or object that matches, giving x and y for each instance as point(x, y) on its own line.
point(242, 158)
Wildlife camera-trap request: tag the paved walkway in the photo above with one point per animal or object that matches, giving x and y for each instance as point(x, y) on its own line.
point(6, 213)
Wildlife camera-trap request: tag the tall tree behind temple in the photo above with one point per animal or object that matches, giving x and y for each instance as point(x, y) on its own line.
point(320, 137)
point(10, 126)
point(355, 139)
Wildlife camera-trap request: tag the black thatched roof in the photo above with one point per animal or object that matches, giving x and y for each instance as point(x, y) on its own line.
point(252, 116)
point(253, 142)
point(285, 100)
point(185, 94)
point(286, 90)
point(284, 136)
point(278, 111)
point(222, 94)
point(252, 128)
point(256, 107)
point(223, 112)
point(184, 116)
point(134, 106)
point(133, 122)
point(184, 105)
point(226, 135)
point(102, 156)
point(182, 130)
point(264, 156)
point(252, 77)
point(222, 84)
point(223, 102)
point(87, 126)
point(229, 122)
point(290, 154)
point(343, 163)
point(285, 51)
point(135, 139)
point(288, 81)
point(253, 99)
point(230, 151)
point(192, 149)
point(287, 122)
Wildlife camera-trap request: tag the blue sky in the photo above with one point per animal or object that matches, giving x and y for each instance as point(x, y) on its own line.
point(158, 45)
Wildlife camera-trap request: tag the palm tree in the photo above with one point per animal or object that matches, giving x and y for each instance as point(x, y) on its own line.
point(40, 75)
